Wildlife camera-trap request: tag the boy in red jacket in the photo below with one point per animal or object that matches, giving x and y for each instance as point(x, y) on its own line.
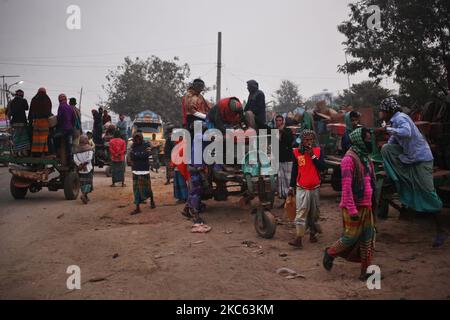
point(308, 162)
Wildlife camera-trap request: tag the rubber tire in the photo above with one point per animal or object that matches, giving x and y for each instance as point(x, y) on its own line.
point(108, 171)
point(71, 186)
point(17, 193)
point(269, 225)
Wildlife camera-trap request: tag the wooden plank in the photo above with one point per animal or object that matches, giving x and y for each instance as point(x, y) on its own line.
point(441, 173)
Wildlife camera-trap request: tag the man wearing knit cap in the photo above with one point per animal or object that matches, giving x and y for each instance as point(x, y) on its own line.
point(305, 180)
point(255, 109)
point(408, 161)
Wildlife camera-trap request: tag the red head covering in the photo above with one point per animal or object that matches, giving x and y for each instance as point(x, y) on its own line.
point(42, 90)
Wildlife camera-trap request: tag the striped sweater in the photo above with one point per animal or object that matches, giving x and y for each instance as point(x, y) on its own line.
point(348, 200)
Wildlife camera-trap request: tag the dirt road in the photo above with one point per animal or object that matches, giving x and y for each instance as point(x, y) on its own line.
point(154, 256)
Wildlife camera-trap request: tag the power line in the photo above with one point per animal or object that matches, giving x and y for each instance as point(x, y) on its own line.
point(56, 65)
point(114, 53)
point(285, 76)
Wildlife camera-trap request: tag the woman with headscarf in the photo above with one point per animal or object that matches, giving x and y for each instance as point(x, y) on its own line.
point(357, 204)
point(40, 111)
point(117, 150)
point(142, 187)
point(83, 160)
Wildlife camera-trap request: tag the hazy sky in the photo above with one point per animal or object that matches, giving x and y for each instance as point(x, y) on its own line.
point(265, 40)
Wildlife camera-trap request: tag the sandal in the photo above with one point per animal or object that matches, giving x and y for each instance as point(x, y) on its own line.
point(198, 220)
point(134, 212)
point(186, 213)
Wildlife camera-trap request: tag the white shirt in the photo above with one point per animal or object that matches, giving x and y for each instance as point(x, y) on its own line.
point(84, 157)
point(141, 173)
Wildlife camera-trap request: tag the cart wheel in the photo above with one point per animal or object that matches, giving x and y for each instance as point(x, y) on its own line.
point(71, 186)
point(265, 224)
point(108, 171)
point(16, 192)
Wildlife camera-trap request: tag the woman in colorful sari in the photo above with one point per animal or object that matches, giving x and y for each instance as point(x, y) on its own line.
point(117, 150)
point(357, 203)
point(83, 160)
point(40, 111)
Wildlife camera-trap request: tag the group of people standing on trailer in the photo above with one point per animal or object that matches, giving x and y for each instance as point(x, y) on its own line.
point(41, 133)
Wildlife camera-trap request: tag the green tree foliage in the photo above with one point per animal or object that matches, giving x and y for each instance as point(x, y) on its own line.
point(411, 44)
point(287, 97)
point(364, 94)
point(152, 84)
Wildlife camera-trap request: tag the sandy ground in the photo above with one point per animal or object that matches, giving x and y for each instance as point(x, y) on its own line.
point(155, 256)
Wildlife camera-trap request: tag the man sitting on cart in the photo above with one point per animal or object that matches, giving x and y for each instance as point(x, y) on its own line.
point(408, 161)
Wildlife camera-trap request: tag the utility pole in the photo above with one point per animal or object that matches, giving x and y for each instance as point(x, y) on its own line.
point(348, 79)
point(219, 66)
point(4, 88)
point(79, 105)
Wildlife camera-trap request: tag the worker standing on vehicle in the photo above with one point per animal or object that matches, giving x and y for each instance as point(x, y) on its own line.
point(194, 105)
point(18, 119)
point(66, 122)
point(227, 113)
point(40, 111)
point(77, 131)
point(255, 109)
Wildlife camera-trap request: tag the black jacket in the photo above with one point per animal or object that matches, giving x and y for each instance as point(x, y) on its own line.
point(16, 110)
point(139, 157)
point(286, 145)
point(257, 104)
